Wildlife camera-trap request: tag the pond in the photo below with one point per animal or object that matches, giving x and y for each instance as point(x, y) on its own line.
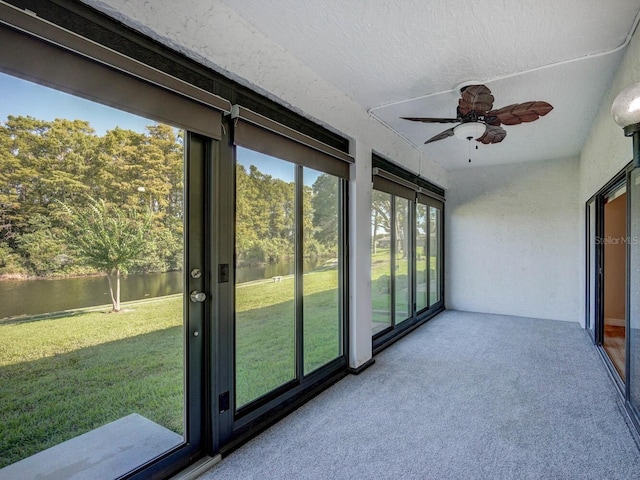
point(36, 296)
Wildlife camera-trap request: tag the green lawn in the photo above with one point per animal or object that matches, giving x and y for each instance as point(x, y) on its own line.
point(63, 376)
point(381, 286)
point(265, 331)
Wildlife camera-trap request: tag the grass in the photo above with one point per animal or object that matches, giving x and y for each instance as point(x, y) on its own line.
point(61, 376)
point(64, 375)
point(381, 287)
point(265, 331)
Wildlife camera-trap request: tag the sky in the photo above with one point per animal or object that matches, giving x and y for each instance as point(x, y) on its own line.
point(21, 97)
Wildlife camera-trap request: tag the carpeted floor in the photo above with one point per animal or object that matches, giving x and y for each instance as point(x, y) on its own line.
point(466, 396)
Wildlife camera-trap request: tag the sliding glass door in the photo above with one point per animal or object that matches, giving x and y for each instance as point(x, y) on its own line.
point(406, 256)
point(381, 252)
point(265, 275)
point(288, 307)
point(103, 281)
point(402, 216)
point(283, 317)
point(435, 253)
point(633, 334)
point(592, 267)
point(612, 307)
point(93, 315)
point(172, 267)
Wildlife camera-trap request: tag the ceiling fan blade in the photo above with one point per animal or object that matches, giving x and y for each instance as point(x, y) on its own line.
point(520, 112)
point(431, 120)
point(493, 134)
point(475, 98)
point(441, 136)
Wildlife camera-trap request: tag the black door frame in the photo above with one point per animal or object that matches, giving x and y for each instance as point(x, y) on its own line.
point(233, 427)
point(619, 180)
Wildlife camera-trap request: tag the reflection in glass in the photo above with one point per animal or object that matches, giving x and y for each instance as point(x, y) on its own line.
point(95, 352)
point(591, 294)
point(402, 282)
point(265, 308)
point(634, 291)
point(422, 260)
point(615, 278)
point(380, 261)
point(435, 260)
point(321, 237)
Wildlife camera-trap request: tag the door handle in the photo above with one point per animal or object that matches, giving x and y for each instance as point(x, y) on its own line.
point(198, 297)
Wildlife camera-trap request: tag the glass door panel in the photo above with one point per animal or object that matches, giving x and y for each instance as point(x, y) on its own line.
point(402, 284)
point(592, 267)
point(614, 277)
point(435, 257)
point(380, 261)
point(422, 256)
point(265, 245)
point(90, 342)
point(633, 379)
point(321, 269)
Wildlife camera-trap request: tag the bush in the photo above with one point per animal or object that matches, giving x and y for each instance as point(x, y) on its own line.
point(382, 285)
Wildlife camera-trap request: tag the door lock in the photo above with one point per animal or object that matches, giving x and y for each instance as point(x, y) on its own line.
point(198, 297)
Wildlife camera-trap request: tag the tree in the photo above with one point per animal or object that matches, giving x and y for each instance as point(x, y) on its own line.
point(265, 217)
point(380, 216)
point(109, 239)
point(326, 211)
point(41, 163)
point(44, 164)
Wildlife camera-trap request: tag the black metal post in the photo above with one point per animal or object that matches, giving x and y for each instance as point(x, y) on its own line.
point(634, 131)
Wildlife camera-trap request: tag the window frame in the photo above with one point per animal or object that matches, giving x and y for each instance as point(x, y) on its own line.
point(237, 425)
point(426, 194)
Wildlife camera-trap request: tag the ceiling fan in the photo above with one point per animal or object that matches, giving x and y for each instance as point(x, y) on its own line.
point(478, 120)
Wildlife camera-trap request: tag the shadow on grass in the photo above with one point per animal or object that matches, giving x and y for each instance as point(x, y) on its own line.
point(76, 312)
point(19, 320)
point(53, 399)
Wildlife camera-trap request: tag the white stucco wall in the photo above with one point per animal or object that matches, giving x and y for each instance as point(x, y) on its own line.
point(606, 150)
point(512, 240)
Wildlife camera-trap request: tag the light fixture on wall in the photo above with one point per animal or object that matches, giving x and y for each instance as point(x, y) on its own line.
point(626, 113)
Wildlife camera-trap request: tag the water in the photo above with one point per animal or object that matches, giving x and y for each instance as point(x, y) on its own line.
point(32, 297)
point(270, 270)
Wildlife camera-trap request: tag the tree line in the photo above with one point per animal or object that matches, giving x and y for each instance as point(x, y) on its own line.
point(54, 175)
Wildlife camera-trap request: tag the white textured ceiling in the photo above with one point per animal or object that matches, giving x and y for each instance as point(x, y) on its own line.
point(403, 58)
point(380, 51)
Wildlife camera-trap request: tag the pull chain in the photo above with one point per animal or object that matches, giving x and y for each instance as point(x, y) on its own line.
point(469, 139)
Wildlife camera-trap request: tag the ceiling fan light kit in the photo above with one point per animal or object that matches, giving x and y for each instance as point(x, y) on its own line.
point(477, 119)
point(469, 130)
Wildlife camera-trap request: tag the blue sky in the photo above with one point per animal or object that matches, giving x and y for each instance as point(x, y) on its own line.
point(21, 97)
